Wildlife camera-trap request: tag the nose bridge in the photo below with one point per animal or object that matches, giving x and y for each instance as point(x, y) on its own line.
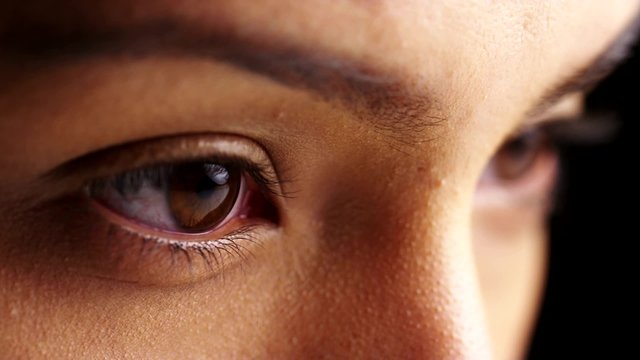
point(435, 282)
point(410, 266)
point(451, 306)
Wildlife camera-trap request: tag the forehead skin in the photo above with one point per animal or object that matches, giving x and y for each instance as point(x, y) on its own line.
point(479, 62)
point(431, 42)
point(482, 63)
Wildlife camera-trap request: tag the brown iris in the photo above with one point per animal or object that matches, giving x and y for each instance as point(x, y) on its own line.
point(519, 155)
point(201, 195)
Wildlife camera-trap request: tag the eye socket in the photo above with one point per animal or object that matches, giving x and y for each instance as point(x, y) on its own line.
point(518, 158)
point(167, 210)
point(193, 197)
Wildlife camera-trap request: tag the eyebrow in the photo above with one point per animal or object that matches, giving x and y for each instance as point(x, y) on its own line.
point(378, 96)
point(390, 102)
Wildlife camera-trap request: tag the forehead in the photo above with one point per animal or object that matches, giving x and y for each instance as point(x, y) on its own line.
point(481, 62)
point(472, 61)
point(447, 46)
point(388, 32)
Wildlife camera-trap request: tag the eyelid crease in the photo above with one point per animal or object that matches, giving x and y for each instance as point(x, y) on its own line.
point(590, 129)
point(223, 148)
point(586, 129)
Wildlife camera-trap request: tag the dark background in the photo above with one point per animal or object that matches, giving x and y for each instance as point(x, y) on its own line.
point(587, 310)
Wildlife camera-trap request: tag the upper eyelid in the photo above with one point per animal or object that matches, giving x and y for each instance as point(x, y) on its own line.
point(75, 173)
point(582, 129)
point(586, 130)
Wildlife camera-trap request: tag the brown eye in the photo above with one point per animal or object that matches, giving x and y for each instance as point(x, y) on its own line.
point(518, 156)
point(188, 198)
point(201, 195)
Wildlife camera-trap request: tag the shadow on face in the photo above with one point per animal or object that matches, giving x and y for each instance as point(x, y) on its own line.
point(286, 179)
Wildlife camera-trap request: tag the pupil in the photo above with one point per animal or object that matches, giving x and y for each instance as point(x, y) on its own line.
point(518, 155)
point(205, 188)
point(200, 196)
point(518, 148)
point(521, 147)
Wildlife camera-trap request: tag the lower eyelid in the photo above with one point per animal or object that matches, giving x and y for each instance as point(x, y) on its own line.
point(154, 259)
point(163, 261)
point(535, 189)
point(79, 240)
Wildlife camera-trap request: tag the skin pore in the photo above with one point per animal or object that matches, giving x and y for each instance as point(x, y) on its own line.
point(383, 225)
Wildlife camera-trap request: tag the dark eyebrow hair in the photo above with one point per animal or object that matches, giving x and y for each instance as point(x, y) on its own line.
point(587, 77)
point(392, 104)
point(395, 105)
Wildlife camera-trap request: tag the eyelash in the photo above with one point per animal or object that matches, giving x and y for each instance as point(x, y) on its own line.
point(209, 251)
point(155, 247)
point(538, 185)
point(113, 245)
point(258, 173)
point(581, 131)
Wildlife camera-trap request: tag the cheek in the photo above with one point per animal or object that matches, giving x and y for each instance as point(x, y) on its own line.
point(510, 245)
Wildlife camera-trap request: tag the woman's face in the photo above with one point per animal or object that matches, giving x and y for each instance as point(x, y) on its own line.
point(288, 179)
